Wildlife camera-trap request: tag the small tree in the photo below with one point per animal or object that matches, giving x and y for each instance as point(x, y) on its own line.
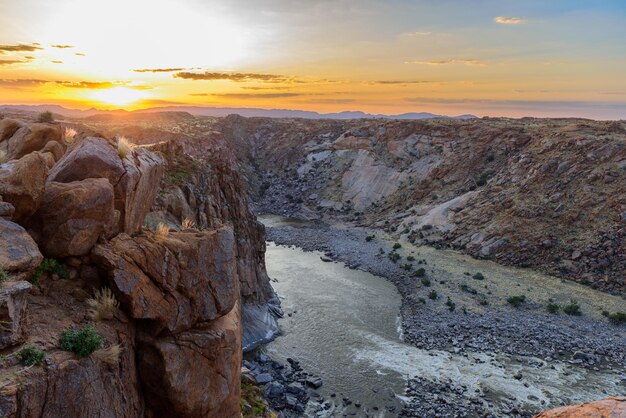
point(45, 117)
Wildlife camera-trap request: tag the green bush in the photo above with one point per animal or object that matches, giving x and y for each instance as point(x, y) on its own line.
point(432, 295)
point(618, 318)
point(426, 281)
point(369, 238)
point(553, 308)
point(31, 356)
point(45, 117)
point(407, 267)
point(572, 308)
point(396, 246)
point(516, 300)
point(410, 258)
point(478, 276)
point(468, 289)
point(50, 265)
point(394, 257)
point(451, 305)
point(420, 272)
point(81, 342)
point(4, 276)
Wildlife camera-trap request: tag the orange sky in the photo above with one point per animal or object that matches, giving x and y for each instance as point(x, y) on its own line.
point(498, 57)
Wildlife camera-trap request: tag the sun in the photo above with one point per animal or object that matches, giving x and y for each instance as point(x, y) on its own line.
point(119, 96)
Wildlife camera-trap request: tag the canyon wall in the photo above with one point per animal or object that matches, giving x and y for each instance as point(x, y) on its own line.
point(169, 329)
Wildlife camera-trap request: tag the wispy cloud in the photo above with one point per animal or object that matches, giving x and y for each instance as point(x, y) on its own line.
point(62, 46)
point(19, 48)
point(414, 34)
point(400, 82)
point(248, 95)
point(80, 54)
point(159, 70)
point(56, 62)
point(94, 85)
point(468, 62)
point(236, 77)
point(11, 62)
point(504, 20)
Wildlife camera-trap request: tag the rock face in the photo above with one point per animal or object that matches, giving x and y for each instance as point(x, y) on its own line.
point(73, 216)
point(26, 138)
point(13, 308)
point(22, 184)
point(606, 408)
point(18, 251)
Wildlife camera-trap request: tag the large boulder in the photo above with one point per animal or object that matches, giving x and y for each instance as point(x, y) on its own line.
point(8, 127)
point(135, 179)
point(13, 308)
point(73, 216)
point(177, 281)
point(29, 138)
point(194, 374)
point(18, 251)
point(608, 408)
point(22, 183)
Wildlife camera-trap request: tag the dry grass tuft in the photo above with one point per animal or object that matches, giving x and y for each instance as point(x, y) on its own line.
point(109, 355)
point(70, 135)
point(189, 224)
point(103, 305)
point(3, 157)
point(124, 147)
point(162, 231)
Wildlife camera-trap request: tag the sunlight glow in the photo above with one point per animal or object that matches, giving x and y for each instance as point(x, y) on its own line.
point(119, 96)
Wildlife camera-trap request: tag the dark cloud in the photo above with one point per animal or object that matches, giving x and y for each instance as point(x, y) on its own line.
point(332, 101)
point(57, 62)
point(237, 77)
point(159, 70)
point(22, 82)
point(94, 85)
point(10, 62)
point(19, 48)
point(63, 46)
point(248, 95)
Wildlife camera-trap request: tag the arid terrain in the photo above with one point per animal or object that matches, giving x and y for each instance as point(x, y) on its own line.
point(404, 200)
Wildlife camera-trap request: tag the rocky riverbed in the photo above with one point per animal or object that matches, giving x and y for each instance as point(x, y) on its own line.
point(484, 344)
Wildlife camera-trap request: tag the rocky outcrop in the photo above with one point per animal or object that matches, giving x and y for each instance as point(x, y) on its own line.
point(18, 251)
point(73, 216)
point(22, 184)
point(13, 309)
point(26, 138)
point(607, 408)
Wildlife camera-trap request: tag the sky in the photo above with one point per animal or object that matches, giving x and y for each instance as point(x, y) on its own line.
point(549, 58)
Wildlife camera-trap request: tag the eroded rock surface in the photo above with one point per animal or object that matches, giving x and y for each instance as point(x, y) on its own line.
point(606, 408)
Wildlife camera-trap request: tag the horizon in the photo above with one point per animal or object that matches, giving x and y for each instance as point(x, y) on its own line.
point(501, 58)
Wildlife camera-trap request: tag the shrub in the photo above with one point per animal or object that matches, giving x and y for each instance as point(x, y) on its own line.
point(31, 356)
point(468, 289)
point(420, 272)
point(161, 232)
point(188, 224)
point(451, 305)
point(516, 300)
point(103, 305)
point(369, 238)
point(180, 177)
point(4, 276)
point(553, 308)
point(70, 135)
point(124, 147)
point(478, 276)
point(432, 295)
point(394, 256)
point(572, 308)
point(396, 246)
point(427, 227)
point(81, 342)
point(52, 266)
point(482, 179)
point(109, 355)
point(410, 258)
point(45, 117)
point(407, 267)
point(426, 281)
point(618, 318)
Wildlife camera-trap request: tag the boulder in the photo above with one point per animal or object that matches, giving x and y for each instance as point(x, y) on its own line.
point(73, 216)
point(13, 308)
point(18, 251)
point(31, 138)
point(196, 373)
point(8, 127)
point(135, 179)
point(609, 407)
point(177, 281)
point(22, 184)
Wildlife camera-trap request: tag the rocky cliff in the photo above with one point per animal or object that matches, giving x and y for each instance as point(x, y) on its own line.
point(102, 316)
point(547, 194)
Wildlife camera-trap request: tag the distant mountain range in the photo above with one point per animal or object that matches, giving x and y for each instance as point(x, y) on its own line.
point(224, 111)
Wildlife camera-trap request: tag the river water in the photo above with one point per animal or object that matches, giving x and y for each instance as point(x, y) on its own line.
point(344, 326)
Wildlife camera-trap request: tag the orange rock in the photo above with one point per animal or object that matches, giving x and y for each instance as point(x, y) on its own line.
point(606, 408)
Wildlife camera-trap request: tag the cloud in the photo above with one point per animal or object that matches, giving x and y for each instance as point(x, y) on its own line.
point(62, 46)
point(256, 88)
point(87, 84)
point(21, 82)
point(80, 54)
point(413, 34)
point(236, 77)
point(392, 82)
point(10, 62)
point(332, 101)
point(503, 20)
point(56, 62)
point(159, 70)
point(19, 48)
point(249, 95)
point(94, 85)
point(468, 62)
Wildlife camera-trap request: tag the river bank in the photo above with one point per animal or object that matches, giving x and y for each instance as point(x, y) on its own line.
point(478, 354)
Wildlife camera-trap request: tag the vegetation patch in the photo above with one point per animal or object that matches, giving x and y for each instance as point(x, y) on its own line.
point(394, 256)
point(451, 305)
point(426, 281)
point(4, 276)
point(478, 276)
point(51, 266)
point(617, 318)
point(252, 403)
point(553, 308)
point(31, 356)
point(432, 295)
point(396, 246)
point(81, 342)
point(572, 308)
point(517, 301)
point(420, 272)
point(177, 178)
point(45, 117)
